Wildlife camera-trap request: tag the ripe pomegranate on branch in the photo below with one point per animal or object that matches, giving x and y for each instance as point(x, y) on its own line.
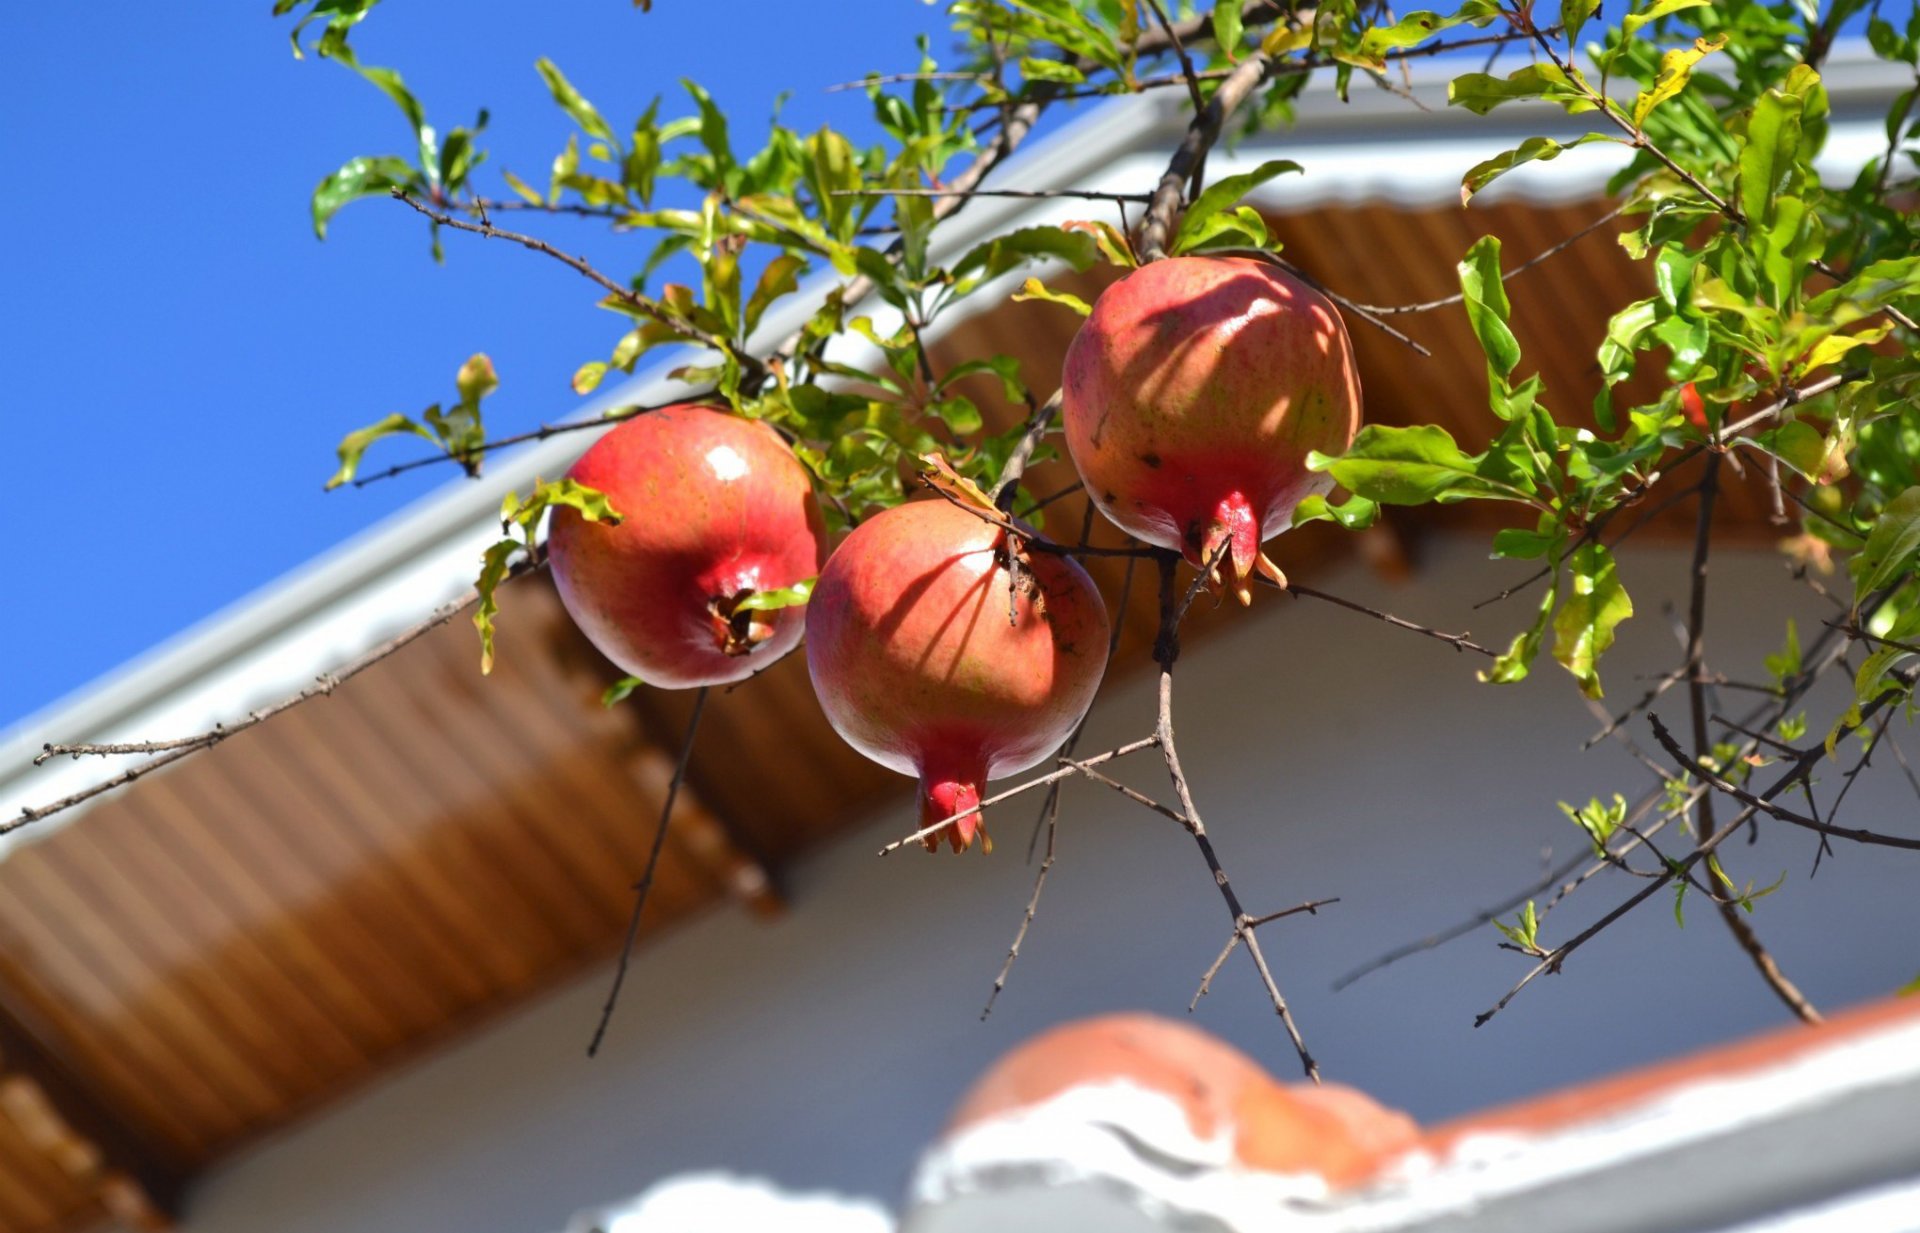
point(924, 664)
point(1192, 397)
point(717, 516)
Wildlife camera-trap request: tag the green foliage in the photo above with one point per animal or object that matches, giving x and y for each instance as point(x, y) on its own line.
point(458, 430)
point(520, 519)
point(1762, 280)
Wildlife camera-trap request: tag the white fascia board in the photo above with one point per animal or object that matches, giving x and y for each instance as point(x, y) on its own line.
point(279, 639)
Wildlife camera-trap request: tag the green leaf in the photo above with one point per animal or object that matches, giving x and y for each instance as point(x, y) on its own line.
point(493, 572)
point(389, 82)
point(587, 377)
point(1036, 68)
point(1771, 153)
point(1222, 195)
point(1409, 466)
point(995, 257)
point(1891, 544)
point(357, 178)
point(1532, 150)
point(1033, 289)
point(620, 691)
point(521, 189)
point(1410, 31)
point(1513, 663)
point(1355, 513)
point(1632, 22)
point(779, 597)
point(574, 103)
point(1584, 629)
point(1574, 14)
point(1481, 93)
point(780, 277)
point(1676, 67)
point(354, 444)
point(1487, 305)
point(1228, 27)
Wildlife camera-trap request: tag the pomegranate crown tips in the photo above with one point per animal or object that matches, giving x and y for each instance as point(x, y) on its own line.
point(1192, 397)
point(721, 535)
point(919, 667)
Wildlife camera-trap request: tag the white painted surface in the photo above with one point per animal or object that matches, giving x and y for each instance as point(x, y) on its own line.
point(1331, 756)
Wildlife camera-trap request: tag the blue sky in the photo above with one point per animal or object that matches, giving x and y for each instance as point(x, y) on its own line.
point(181, 355)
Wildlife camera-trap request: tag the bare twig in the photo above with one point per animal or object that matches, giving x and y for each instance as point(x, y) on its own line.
point(325, 684)
point(1156, 228)
point(625, 295)
point(1764, 803)
point(645, 883)
point(1384, 310)
point(1459, 642)
point(1166, 651)
point(1051, 777)
point(1311, 907)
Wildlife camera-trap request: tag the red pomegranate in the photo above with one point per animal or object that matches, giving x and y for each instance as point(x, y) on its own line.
point(918, 667)
point(714, 509)
point(1191, 399)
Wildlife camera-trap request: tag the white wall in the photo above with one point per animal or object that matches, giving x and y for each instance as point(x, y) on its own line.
point(1331, 756)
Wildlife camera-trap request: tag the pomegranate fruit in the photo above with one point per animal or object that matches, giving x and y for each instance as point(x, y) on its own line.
point(715, 509)
point(1191, 398)
point(917, 666)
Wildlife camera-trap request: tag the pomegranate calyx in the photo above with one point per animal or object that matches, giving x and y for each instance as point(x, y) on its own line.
point(1231, 539)
point(945, 794)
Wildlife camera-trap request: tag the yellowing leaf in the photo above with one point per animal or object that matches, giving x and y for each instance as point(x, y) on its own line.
point(1676, 67)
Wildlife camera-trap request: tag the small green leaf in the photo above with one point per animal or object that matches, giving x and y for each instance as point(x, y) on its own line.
point(1574, 14)
point(778, 597)
point(1584, 629)
point(1676, 67)
point(493, 572)
point(1005, 252)
point(1481, 93)
point(1037, 68)
point(1891, 544)
point(1632, 22)
point(620, 691)
point(1410, 466)
point(587, 377)
point(1228, 28)
point(1222, 195)
point(1033, 289)
point(360, 177)
point(1355, 513)
point(573, 102)
point(354, 444)
point(780, 277)
point(1514, 663)
point(1487, 306)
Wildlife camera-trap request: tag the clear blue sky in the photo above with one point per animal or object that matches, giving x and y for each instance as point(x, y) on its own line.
point(181, 355)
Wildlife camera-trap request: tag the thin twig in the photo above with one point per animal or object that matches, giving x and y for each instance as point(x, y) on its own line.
point(1311, 907)
point(325, 684)
point(1166, 651)
point(1042, 781)
point(645, 883)
point(1386, 310)
point(625, 295)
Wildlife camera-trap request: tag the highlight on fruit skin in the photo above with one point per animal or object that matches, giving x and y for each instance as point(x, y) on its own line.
point(1191, 398)
point(715, 510)
point(918, 667)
